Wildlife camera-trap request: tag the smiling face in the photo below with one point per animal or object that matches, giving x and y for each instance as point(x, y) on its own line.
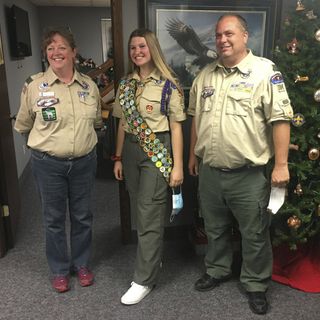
point(60, 55)
point(231, 41)
point(139, 53)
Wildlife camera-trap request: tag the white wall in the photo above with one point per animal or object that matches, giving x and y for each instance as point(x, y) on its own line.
point(85, 24)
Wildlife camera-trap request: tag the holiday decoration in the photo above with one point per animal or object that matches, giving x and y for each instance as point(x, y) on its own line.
point(293, 46)
point(317, 35)
point(294, 222)
point(310, 15)
point(317, 95)
point(313, 154)
point(297, 58)
point(293, 147)
point(298, 190)
point(302, 79)
point(298, 120)
point(300, 6)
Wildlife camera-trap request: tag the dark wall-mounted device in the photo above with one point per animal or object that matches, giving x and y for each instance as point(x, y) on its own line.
point(18, 32)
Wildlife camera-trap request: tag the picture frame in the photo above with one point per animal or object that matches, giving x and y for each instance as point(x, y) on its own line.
point(1, 52)
point(106, 37)
point(167, 18)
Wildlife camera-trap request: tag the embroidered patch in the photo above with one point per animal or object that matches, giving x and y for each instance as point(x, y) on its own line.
point(277, 78)
point(242, 86)
point(149, 108)
point(45, 103)
point(82, 95)
point(85, 85)
point(207, 92)
point(44, 86)
point(49, 114)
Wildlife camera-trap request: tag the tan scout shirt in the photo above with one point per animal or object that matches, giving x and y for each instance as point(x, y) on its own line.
point(60, 118)
point(148, 104)
point(234, 112)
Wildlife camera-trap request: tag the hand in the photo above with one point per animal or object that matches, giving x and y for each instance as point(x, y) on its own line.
point(176, 177)
point(280, 176)
point(193, 165)
point(117, 170)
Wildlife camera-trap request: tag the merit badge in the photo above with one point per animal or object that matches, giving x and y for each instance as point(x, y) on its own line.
point(49, 114)
point(207, 92)
point(298, 120)
point(149, 108)
point(44, 86)
point(277, 78)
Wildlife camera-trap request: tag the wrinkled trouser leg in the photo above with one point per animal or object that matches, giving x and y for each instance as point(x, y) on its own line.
point(244, 195)
point(148, 200)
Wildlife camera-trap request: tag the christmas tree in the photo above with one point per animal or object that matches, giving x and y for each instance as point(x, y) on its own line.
point(297, 56)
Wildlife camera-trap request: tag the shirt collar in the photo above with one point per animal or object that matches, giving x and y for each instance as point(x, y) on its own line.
point(154, 75)
point(52, 77)
point(244, 66)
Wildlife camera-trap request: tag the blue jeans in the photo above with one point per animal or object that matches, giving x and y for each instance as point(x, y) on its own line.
point(62, 182)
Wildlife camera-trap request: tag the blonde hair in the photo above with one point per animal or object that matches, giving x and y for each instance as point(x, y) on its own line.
point(156, 55)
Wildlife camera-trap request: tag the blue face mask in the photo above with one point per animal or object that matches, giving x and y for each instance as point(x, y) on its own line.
point(177, 202)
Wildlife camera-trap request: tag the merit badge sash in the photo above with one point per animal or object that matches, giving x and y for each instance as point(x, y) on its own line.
point(147, 139)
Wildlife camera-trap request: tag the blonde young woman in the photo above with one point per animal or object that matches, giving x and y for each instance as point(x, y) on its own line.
point(149, 151)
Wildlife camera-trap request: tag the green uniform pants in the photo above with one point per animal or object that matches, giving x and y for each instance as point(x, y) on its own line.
point(244, 195)
point(148, 202)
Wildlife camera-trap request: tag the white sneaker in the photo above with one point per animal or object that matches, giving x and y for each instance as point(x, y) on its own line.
point(135, 294)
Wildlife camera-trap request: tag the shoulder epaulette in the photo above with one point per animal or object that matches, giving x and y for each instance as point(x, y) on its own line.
point(29, 80)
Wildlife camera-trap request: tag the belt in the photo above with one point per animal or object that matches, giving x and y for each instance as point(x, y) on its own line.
point(240, 169)
point(63, 159)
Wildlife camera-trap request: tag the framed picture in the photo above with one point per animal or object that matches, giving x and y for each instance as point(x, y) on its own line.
point(185, 29)
point(106, 34)
point(1, 52)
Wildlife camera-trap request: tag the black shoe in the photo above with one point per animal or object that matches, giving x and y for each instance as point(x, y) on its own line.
point(206, 282)
point(258, 302)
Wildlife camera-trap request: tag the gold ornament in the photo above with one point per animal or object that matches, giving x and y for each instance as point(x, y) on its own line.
point(287, 21)
point(293, 46)
point(318, 135)
point(298, 190)
point(298, 120)
point(313, 154)
point(310, 15)
point(301, 78)
point(317, 35)
point(300, 6)
point(318, 210)
point(317, 95)
point(294, 222)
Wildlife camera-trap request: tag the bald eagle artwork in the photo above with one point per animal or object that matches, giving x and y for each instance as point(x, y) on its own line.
point(187, 38)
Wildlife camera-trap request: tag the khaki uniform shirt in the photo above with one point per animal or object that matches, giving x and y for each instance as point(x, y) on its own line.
point(148, 100)
point(59, 118)
point(234, 112)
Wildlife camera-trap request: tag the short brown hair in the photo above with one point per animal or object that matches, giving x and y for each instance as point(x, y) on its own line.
point(64, 32)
